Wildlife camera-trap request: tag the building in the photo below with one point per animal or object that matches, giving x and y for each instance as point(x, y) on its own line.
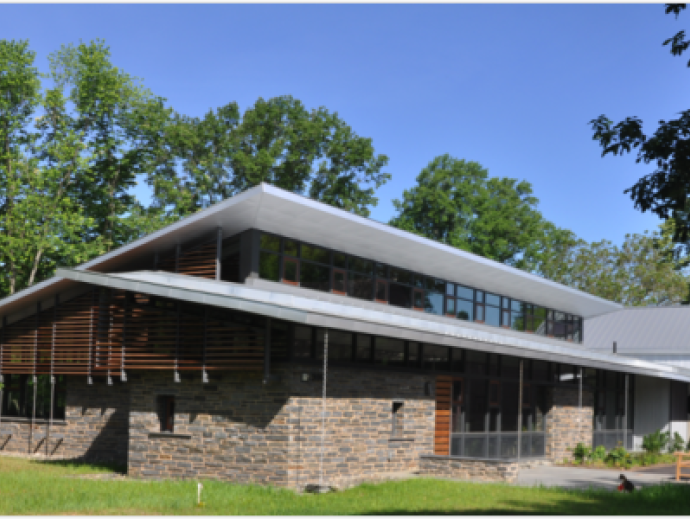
point(274, 339)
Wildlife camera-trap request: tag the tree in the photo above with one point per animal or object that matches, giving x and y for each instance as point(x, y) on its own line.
point(314, 153)
point(645, 270)
point(455, 202)
point(666, 190)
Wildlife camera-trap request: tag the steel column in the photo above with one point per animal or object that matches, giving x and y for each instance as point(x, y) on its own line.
point(204, 375)
point(267, 351)
point(123, 374)
point(34, 378)
point(219, 250)
point(52, 368)
point(176, 373)
point(520, 416)
point(2, 377)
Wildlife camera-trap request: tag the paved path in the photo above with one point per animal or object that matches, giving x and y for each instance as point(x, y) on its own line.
point(568, 477)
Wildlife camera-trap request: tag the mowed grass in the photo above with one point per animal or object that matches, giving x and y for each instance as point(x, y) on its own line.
point(30, 487)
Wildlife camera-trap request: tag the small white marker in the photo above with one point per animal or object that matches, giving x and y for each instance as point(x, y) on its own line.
point(200, 487)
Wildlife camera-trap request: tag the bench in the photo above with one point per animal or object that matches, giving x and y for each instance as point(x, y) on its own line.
point(682, 461)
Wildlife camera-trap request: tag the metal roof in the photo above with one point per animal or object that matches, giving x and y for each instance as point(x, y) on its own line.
point(365, 317)
point(641, 330)
point(274, 210)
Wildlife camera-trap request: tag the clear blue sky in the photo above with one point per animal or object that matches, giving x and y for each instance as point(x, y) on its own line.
point(510, 86)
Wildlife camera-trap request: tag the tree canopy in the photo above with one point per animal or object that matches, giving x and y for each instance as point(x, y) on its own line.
point(666, 190)
point(75, 140)
point(457, 203)
point(645, 270)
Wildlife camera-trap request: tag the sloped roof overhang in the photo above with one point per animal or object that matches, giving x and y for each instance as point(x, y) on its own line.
point(350, 317)
point(271, 209)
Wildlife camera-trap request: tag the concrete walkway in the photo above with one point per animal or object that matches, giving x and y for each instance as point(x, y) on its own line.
point(567, 477)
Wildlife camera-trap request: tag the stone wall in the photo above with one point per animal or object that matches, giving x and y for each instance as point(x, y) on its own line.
point(567, 425)
point(358, 445)
point(236, 428)
point(94, 429)
point(471, 469)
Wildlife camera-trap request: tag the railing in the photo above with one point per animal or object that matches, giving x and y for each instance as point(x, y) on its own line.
point(498, 445)
point(612, 438)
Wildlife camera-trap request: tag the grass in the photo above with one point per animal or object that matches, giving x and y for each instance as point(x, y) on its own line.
point(31, 487)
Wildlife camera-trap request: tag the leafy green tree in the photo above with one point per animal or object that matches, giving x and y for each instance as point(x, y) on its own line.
point(280, 142)
point(455, 202)
point(645, 270)
point(115, 122)
point(666, 190)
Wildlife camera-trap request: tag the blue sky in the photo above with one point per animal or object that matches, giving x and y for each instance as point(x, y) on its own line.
point(509, 86)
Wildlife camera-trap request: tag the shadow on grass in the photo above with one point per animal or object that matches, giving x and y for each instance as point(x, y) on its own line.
point(664, 499)
point(78, 463)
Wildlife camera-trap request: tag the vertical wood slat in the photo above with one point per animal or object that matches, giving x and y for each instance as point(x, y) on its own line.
point(444, 387)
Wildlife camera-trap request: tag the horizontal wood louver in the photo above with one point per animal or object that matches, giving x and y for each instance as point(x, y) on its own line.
point(444, 387)
point(199, 261)
point(109, 331)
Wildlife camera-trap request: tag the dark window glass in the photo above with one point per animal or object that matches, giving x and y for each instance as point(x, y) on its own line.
point(413, 354)
point(401, 276)
point(529, 323)
point(478, 400)
point(418, 300)
point(493, 364)
point(540, 370)
point(389, 352)
point(400, 295)
point(509, 406)
point(363, 348)
point(290, 270)
point(315, 276)
point(450, 306)
point(493, 420)
point(539, 320)
point(540, 409)
point(361, 286)
point(510, 367)
point(166, 413)
point(381, 291)
point(494, 393)
point(269, 266)
point(269, 242)
point(291, 247)
point(382, 271)
point(420, 281)
point(457, 360)
point(361, 265)
point(434, 303)
point(340, 281)
point(505, 318)
point(318, 254)
point(517, 321)
point(493, 316)
point(589, 377)
point(435, 357)
point(465, 293)
point(302, 346)
point(492, 299)
point(479, 312)
point(339, 346)
point(464, 310)
point(475, 362)
point(340, 260)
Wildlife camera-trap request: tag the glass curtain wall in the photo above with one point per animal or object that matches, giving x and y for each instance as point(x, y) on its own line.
point(613, 423)
point(309, 266)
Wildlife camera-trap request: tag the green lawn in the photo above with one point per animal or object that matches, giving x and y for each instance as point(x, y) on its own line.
point(29, 487)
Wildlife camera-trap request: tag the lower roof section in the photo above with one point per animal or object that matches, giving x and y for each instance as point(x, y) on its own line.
point(353, 317)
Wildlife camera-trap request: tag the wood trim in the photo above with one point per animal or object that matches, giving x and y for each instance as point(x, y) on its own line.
point(442, 416)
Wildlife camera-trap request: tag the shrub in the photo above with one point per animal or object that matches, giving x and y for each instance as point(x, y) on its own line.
point(582, 452)
point(655, 442)
point(677, 445)
point(619, 457)
point(599, 454)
